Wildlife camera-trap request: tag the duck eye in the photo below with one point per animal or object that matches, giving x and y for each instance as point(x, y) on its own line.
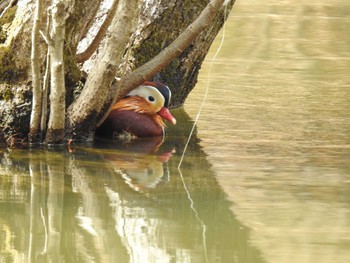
point(151, 98)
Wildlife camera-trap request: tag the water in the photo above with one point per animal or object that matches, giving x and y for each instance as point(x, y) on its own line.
point(265, 179)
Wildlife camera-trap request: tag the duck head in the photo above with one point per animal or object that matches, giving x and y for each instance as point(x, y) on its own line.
point(157, 96)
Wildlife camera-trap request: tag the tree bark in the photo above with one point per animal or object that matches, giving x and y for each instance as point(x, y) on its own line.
point(87, 53)
point(36, 83)
point(56, 125)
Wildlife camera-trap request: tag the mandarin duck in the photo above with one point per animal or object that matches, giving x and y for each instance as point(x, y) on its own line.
point(139, 113)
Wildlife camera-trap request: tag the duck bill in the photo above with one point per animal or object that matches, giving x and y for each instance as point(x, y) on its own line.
point(165, 113)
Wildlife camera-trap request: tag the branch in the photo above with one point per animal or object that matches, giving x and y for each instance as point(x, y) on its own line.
point(46, 39)
point(160, 61)
point(36, 83)
point(85, 55)
point(46, 82)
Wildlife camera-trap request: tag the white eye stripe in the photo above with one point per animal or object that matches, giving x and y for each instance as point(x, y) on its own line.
point(147, 92)
point(150, 93)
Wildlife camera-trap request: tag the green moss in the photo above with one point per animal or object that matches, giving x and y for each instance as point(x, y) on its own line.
point(8, 16)
point(6, 19)
point(6, 93)
point(8, 71)
point(72, 76)
point(2, 35)
point(70, 67)
point(148, 49)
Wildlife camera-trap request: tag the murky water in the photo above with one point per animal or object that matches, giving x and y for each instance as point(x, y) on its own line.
point(266, 177)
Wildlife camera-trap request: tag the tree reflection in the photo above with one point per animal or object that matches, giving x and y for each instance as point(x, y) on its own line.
point(117, 203)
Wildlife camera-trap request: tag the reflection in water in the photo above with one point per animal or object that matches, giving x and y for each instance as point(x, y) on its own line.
point(140, 164)
point(81, 206)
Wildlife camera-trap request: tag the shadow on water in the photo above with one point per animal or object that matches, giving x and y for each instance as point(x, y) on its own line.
point(118, 202)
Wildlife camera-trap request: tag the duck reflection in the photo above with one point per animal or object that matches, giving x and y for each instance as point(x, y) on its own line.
point(138, 161)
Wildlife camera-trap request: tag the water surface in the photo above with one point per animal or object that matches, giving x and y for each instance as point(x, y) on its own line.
point(276, 126)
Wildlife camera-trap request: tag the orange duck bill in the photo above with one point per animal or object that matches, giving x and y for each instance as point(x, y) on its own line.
point(165, 113)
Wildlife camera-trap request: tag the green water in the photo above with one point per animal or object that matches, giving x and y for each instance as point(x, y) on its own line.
point(266, 176)
point(117, 203)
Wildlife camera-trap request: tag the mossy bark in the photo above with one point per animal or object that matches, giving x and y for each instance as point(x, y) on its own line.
point(157, 28)
point(15, 107)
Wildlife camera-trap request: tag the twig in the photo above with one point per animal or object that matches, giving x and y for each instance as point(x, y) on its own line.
point(45, 84)
point(46, 80)
point(206, 92)
point(44, 37)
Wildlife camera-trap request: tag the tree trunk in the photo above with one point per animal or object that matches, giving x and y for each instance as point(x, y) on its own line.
point(58, 16)
point(36, 82)
point(159, 23)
